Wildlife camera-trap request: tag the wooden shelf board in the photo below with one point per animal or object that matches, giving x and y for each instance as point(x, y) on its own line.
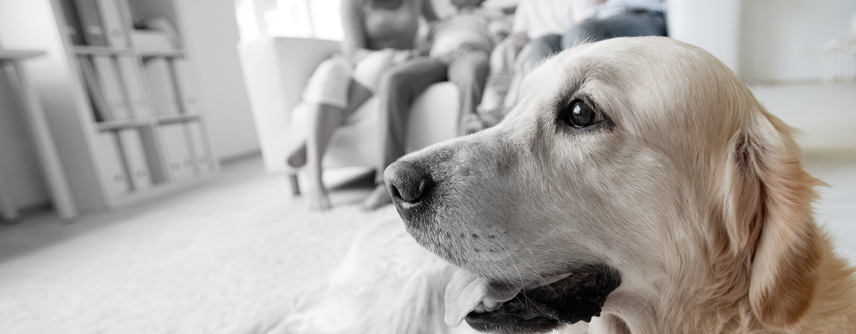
point(101, 50)
point(163, 54)
point(20, 54)
point(122, 124)
point(169, 119)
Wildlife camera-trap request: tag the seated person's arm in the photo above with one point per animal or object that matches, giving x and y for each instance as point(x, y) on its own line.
point(432, 19)
point(354, 41)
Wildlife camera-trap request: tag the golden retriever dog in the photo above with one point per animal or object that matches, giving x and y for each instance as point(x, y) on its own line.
point(638, 186)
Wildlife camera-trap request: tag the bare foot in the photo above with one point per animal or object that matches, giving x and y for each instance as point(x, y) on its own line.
point(316, 197)
point(297, 156)
point(378, 198)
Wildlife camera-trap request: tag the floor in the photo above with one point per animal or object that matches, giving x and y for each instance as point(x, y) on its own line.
point(220, 258)
point(41, 258)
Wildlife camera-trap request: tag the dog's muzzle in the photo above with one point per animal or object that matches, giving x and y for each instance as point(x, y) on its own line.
point(409, 184)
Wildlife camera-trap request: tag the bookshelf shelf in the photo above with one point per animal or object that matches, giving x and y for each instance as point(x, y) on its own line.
point(163, 54)
point(171, 119)
point(102, 51)
point(122, 124)
point(125, 115)
point(12, 55)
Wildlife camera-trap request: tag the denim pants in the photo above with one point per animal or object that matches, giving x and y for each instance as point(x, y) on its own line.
point(629, 24)
point(401, 84)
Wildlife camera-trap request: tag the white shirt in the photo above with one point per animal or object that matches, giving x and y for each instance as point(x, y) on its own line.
point(542, 17)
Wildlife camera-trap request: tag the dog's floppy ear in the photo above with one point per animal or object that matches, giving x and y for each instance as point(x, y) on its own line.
point(768, 214)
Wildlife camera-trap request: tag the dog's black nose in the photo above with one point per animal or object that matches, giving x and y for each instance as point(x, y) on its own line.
point(407, 182)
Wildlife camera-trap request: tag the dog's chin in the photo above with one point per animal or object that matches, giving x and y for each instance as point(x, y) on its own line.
point(577, 297)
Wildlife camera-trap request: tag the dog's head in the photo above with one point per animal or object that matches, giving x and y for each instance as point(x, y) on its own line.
point(638, 169)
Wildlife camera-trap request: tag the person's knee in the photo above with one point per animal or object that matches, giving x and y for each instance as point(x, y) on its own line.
point(544, 46)
point(590, 31)
point(388, 77)
point(393, 80)
point(651, 24)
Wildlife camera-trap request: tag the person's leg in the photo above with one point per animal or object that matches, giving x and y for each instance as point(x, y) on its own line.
point(399, 86)
point(521, 69)
point(585, 32)
point(501, 71)
point(631, 24)
point(323, 122)
point(329, 85)
point(469, 73)
point(541, 48)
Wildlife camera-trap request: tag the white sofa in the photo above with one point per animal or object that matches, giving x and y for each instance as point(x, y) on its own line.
point(276, 70)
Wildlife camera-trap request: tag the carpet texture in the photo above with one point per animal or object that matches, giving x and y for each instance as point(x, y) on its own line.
point(219, 259)
point(387, 284)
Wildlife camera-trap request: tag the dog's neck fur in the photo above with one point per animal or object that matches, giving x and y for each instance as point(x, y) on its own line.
point(686, 305)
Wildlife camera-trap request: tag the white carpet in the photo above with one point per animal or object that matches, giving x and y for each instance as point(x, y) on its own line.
point(213, 260)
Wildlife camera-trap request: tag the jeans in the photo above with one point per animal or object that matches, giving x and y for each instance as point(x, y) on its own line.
point(629, 24)
point(401, 84)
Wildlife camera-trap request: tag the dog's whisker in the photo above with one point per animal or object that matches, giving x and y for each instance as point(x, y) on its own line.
point(534, 260)
point(497, 272)
point(520, 276)
point(532, 255)
point(645, 303)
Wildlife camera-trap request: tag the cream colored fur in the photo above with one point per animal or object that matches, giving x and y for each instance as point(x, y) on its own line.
point(696, 195)
point(387, 284)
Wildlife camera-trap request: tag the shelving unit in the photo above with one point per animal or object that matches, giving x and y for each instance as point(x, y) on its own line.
point(125, 116)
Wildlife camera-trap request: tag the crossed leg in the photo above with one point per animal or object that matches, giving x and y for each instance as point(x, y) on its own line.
point(323, 122)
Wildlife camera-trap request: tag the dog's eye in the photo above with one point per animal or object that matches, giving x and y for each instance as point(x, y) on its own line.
point(578, 114)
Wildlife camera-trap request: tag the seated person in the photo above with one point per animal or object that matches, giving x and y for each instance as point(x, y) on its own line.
point(533, 19)
point(459, 53)
point(593, 20)
point(377, 33)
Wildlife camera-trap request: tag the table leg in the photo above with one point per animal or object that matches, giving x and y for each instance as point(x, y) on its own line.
point(6, 205)
point(50, 164)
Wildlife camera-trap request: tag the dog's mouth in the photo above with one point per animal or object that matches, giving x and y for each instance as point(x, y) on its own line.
point(537, 307)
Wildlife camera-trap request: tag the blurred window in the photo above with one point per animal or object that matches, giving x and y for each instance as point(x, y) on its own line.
point(289, 18)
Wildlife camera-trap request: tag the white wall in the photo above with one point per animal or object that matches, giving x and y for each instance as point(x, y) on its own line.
point(18, 162)
point(713, 25)
point(781, 39)
point(211, 37)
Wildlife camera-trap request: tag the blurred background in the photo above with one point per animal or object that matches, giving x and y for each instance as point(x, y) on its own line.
point(143, 184)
